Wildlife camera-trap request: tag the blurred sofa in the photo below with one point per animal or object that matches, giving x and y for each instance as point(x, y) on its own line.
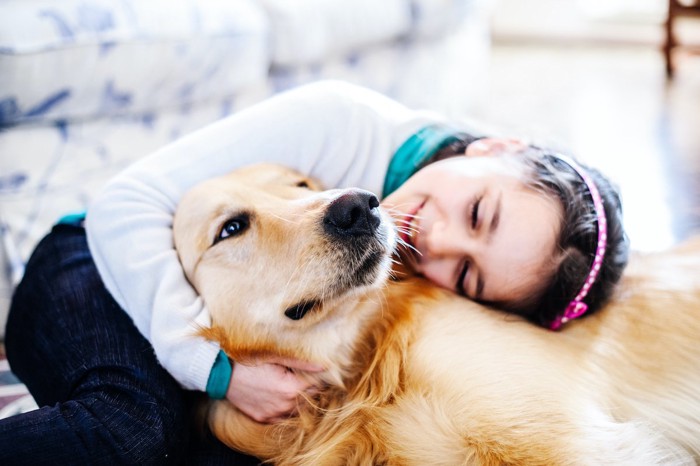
point(88, 86)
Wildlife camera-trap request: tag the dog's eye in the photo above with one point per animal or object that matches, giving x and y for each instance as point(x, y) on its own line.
point(233, 227)
point(303, 184)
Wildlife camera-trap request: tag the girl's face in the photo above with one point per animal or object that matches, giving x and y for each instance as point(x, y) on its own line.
point(472, 226)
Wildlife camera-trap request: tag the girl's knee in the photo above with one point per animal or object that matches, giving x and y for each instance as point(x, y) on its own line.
point(131, 430)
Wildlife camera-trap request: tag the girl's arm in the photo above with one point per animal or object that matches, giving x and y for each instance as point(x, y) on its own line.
point(341, 134)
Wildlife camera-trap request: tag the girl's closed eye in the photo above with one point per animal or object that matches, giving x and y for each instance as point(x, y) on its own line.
point(459, 287)
point(474, 215)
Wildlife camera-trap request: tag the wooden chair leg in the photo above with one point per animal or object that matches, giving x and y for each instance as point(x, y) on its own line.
point(670, 40)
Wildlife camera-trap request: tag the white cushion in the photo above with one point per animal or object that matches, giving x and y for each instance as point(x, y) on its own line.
point(308, 31)
point(435, 18)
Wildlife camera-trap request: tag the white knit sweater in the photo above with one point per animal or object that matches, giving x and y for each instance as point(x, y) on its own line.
point(340, 134)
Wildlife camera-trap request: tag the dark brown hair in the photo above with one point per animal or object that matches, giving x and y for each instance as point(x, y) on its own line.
point(578, 238)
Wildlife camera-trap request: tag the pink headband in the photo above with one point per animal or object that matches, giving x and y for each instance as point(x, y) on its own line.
point(577, 307)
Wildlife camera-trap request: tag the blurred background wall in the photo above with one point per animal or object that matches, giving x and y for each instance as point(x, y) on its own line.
point(589, 76)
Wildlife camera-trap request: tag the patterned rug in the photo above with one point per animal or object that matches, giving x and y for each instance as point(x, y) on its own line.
point(14, 397)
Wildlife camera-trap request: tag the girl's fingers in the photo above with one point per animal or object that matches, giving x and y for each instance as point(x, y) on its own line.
point(296, 364)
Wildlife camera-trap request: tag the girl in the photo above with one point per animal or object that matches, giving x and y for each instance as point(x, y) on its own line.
point(494, 220)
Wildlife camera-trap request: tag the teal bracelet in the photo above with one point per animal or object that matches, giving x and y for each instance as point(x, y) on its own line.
point(219, 377)
point(75, 219)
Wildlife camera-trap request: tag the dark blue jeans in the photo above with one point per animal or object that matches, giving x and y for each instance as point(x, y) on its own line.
point(103, 396)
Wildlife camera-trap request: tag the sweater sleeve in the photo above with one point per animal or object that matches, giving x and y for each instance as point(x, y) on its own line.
point(340, 134)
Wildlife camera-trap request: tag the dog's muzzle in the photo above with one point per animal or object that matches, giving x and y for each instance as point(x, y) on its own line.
point(352, 223)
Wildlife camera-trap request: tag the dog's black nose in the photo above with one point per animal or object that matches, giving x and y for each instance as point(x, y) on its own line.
point(352, 214)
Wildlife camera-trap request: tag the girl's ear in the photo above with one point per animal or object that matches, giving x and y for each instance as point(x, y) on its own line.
point(494, 146)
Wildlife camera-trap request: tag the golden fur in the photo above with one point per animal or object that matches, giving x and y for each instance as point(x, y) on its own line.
point(418, 375)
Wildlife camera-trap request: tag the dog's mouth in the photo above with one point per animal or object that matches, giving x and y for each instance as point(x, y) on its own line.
point(299, 310)
point(363, 273)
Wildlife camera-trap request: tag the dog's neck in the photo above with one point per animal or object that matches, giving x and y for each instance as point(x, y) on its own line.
point(371, 374)
point(348, 341)
point(383, 334)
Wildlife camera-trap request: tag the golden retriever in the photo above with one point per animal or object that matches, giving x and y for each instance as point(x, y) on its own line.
point(417, 375)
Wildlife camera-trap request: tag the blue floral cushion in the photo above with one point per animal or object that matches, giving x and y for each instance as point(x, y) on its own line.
point(79, 58)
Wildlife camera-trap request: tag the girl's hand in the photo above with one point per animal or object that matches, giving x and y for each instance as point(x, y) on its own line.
point(268, 392)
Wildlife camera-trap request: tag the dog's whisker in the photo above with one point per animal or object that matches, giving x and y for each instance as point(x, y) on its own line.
point(409, 231)
point(402, 215)
point(407, 219)
point(395, 262)
point(396, 207)
point(405, 231)
point(294, 222)
point(403, 223)
point(410, 247)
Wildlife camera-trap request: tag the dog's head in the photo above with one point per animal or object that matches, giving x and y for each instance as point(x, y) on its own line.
point(278, 263)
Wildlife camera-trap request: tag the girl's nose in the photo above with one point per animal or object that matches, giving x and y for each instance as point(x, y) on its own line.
point(442, 241)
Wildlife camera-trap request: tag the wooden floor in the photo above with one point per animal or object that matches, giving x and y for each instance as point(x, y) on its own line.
point(612, 107)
